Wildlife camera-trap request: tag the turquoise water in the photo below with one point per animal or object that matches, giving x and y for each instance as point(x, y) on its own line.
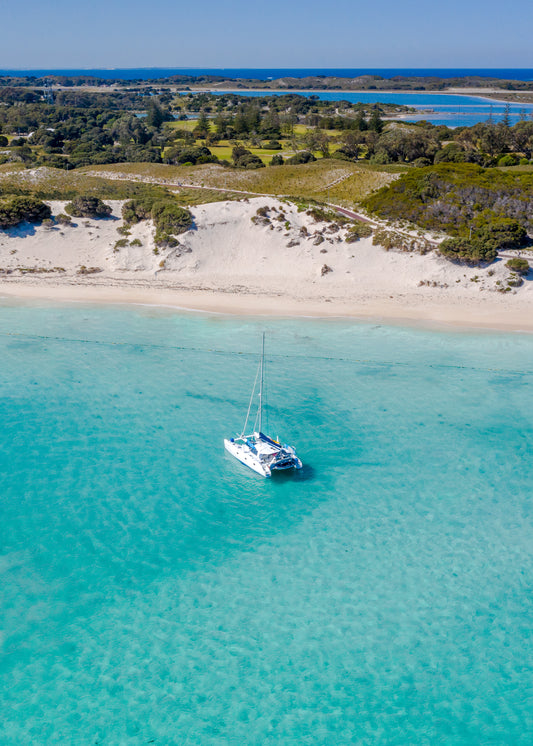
point(153, 590)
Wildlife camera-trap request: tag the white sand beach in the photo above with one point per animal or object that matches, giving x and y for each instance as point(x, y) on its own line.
point(234, 261)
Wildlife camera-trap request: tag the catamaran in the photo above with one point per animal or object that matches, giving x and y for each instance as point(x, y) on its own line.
point(257, 450)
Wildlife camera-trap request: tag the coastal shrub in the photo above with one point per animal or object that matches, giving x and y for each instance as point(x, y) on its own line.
point(321, 214)
point(508, 160)
point(261, 216)
point(183, 153)
point(304, 157)
point(397, 241)
point(272, 145)
point(380, 158)
point(453, 152)
point(473, 252)
point(83, 270)
point(503, 234)
point(389, 240)
point(136, 242)
point(120, 244)
point(164, 240)
point(243, 158)
point(16, 210)
point(515, 281)
point(250, 162)
point(451, 197)
point(421, 162)
point(518, 265)
point(88, 207)
point(277, 160)
point(63, 219)
point(170, 218)
point(357, 231)
point(135, 210)
point(3, 141)
point(345, 153)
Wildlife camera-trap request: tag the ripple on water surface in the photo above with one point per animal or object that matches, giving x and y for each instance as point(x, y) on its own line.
point(153, 590)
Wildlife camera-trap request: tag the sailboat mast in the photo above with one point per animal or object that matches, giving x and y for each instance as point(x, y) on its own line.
point(261, 385)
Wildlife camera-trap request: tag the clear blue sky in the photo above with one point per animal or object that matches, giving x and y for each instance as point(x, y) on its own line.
point(343, 33)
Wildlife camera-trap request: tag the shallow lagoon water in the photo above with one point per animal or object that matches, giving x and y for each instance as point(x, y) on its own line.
point(154, 590)
point(453, 110)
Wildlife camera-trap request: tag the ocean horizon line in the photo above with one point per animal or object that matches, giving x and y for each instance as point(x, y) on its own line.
point(517, 73)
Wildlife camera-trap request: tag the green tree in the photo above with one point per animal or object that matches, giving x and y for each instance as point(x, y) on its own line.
point(351, 144)
point(522, 138)
point(493, 138)
point(506, 119)
point(375, 122)
point(240, 123)
point(154, 115)
point(360, 122)
point(407, 144)
point(202, 126)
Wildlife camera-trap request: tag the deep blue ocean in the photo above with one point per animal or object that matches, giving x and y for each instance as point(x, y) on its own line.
point(153, 590)
point(151, 73)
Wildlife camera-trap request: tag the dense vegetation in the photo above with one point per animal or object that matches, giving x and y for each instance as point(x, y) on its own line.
point(169, 218)
point(452, 179)
point(73, 127)
point(452, 198)
point(484, 209)
point(15, 210)
point(518, 265)
point(87, 206)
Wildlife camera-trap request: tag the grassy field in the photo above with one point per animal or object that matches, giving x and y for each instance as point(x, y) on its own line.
point(301, 129)
point(11, 167)
point(51, 183)
point(526, 169)
point(340, 182)
point(185, 124)
point(224, 149)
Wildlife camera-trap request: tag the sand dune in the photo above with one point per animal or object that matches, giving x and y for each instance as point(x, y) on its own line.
point(238, 262)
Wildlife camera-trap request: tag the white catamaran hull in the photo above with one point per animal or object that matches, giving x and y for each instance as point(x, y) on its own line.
point(246, 457)
point(262, 454)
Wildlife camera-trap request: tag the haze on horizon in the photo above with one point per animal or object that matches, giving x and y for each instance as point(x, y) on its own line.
point(414, 34)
